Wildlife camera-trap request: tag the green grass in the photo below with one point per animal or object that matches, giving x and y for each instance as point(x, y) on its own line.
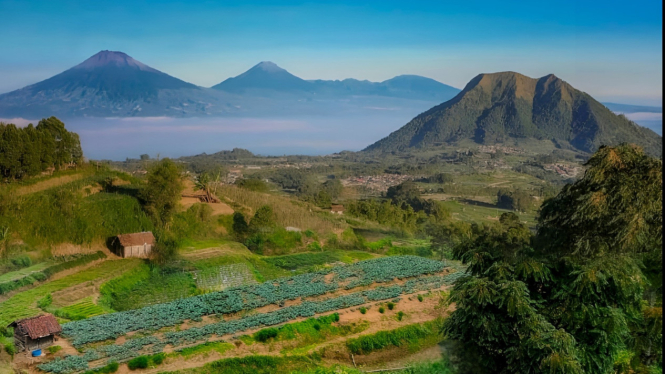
point(13, 275)
point(24, 304)
point(220, 347)
point(483, 214)
point(83, 309)
point(256, 365)
point(63, 214)
point(415, 337)
point(144, 286)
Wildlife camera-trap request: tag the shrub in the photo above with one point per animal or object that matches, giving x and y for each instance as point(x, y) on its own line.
point(420, 298)
point(21, 261)
point(10, 349)
point(390, 306)
point(140, 362)
point(363, 310)
point(265, 334)
point(158, 358)
point(54, 349)
point(45, 301)
point(314, 247)
point(382, 309)
point(6, 332)
point(400, 315)
point(383, 339)
point(108, 369)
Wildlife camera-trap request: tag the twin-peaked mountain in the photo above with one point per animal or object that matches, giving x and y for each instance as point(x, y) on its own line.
point(501, 107)
point(114, 84)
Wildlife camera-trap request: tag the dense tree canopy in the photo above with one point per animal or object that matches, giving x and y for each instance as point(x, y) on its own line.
point(30, 150)
point(570, 299)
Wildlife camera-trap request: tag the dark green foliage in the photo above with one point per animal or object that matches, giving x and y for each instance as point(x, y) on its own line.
point(158, 358)
point(384, 213)
point(21, 262)
point(263, 220)
point(363, 310)
point(240, 227)
point(570, 299)
point(515, 200)
point(420, 298)
point(383, 339)
point(390, 306)
point(140, 362)
point(30, 150)
point(440, 178)
point(500, 107)
point(300, 260)
point(382, 310)
point(10, 349)
point(6, 332)
point(266, 334)
point(400, 315)
point(162, 191)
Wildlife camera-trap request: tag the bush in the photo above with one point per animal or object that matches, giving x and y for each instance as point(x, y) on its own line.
point(266, 334)
point(363, 310)
point(382, 309)
point(54, 349)
point(6, 332)
point(420, 298)
point(140, 362)
point(108, 369)
point(383, 339)
point(21, 261)
point(400, 315)
point(10, 349)
point(390, 306)
point(45, 301)
point(158, 358)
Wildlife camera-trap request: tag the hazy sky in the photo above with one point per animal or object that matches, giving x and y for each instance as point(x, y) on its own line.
point(610, 49)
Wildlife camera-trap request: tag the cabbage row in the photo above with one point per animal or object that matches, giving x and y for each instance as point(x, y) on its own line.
point(111, 326)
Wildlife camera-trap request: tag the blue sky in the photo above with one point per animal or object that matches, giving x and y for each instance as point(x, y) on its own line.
point(610, 49)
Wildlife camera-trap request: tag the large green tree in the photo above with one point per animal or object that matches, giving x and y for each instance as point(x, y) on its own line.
point(572, 298)
point(162, 191)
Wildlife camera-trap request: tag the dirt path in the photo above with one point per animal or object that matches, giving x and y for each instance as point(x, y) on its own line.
point(49, 183)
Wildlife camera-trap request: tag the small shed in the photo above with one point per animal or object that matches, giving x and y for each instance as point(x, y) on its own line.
point(337, 209)
point(35, 332)
point(134, 245)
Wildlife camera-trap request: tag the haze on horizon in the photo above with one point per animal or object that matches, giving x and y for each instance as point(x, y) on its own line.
point(612, 50)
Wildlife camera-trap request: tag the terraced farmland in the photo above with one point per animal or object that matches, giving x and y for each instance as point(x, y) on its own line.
point(329, 290)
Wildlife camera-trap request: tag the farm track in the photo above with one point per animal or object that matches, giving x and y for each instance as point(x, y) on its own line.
point(47, 184)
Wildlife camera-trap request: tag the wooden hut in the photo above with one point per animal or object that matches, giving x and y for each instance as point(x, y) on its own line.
point(35, 332)
point(134, 245)
point(337, 209)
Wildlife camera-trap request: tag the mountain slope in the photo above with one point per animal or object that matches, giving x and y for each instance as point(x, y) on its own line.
point(495, 108)
point(268, 79)
point(108, 83)
point(264, 76)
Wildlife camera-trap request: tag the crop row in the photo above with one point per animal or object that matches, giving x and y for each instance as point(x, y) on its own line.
point(39, 276)
point(248, 297)
point(133, 347)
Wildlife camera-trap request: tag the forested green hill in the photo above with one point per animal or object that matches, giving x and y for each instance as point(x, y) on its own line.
point(495, 108)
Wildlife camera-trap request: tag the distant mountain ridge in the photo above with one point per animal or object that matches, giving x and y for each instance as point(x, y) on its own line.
point(113, 84)
point(493, 108)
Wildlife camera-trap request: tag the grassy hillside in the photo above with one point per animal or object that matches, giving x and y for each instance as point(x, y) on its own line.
point(494, 108)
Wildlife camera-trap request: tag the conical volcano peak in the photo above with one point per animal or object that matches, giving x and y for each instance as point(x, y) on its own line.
point(268, 66)
point(112, 58)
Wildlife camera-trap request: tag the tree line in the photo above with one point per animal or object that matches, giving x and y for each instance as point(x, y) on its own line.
point(581, 295)
point(32, 149)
